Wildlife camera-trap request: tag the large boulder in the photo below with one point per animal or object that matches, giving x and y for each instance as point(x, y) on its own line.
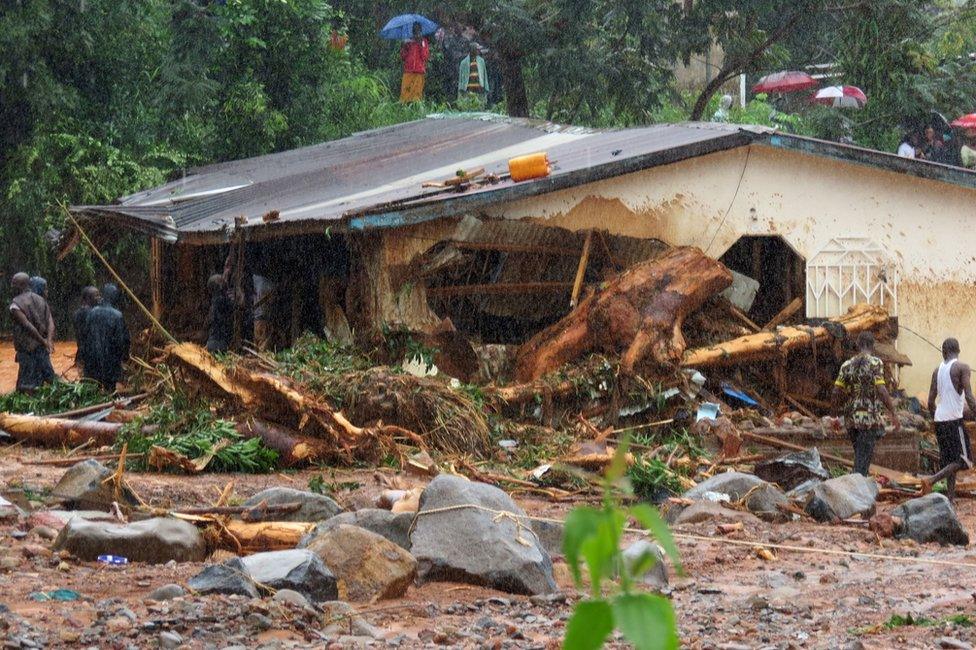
point(84, 486)
point(483, 545)
point(709, 511)
point(930, 519)
point(154, 541)
point(842, 498)
point(230, 578)
point(394, 526)
point(368, 565)
point(315, 507)
point(297, 569)
point(761, 498)
point(550, 534)
point(793, 469)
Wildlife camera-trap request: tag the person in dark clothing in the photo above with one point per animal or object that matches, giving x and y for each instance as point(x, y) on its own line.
point(220, 320)
point(39, 286)
point(33, 331)
point(89, 299)
point(111, 295)
point(861, 386)
point(106, 341)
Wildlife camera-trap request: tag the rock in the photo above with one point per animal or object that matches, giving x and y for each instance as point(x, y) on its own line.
point(477, 546)
point(82, 486)
point(44, 532)
point(550, 534)
point(790, 470)
point(954, 644)
point(315, 507)
point(229, 578)
point(167, 592)
point(391, 525)
point(369, 565)
point(764, 498)
point(298, 569)
point(930, 519)
point(701, 511)
point(170, 640)
point(842, 498)
point(56, 519)
point(292, 597)
point(657, 574)
point(9, 512)
point(154, 541)
point(260, 621)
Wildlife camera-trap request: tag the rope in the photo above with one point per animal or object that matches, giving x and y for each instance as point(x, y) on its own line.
point(504, 514)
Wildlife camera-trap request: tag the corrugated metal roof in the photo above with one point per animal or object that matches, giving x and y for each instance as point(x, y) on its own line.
point(380, 172)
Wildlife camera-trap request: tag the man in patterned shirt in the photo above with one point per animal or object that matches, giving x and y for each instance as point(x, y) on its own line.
point(861, 386)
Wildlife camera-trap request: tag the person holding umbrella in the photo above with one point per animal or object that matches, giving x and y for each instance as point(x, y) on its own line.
point(414, 53)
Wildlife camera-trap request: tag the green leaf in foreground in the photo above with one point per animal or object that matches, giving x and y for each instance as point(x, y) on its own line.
point(591, 624)
point(646, 620)
point(651, 520)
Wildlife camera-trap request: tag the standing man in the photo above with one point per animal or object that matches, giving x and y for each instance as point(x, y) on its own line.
point(33, 330)
point(861, 384)
point(106, 341)
point(950, 384)
point(89, 299)
point(414, 54)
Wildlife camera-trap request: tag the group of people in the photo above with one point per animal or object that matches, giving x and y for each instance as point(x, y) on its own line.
point(99, 328)
point(462, 54)
point(939, 146)
point(862, 391)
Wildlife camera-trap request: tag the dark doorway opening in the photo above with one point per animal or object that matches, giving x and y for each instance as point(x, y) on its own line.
point(780, 271)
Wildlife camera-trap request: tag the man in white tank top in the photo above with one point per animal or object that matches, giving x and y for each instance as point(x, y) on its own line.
point(949, 394)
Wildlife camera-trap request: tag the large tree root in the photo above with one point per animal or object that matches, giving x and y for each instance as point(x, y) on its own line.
point(638, 315)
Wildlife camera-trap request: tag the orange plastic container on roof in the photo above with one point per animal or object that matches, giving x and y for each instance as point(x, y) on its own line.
point(533, 165)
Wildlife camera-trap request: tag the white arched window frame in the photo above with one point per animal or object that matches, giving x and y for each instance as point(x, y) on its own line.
point(847, 271)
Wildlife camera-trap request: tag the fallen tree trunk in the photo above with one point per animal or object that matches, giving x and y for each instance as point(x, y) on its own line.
point(638, 314)
point(59, 432)
point(294, 449)
point(771, 345)
point(246, 538)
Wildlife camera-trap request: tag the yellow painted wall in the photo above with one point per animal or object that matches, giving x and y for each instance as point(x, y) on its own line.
point(926, 226)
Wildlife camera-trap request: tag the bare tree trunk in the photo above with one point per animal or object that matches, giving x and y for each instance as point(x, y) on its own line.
point(516, 99)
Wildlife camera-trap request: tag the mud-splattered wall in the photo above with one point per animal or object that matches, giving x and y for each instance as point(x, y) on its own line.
point(925, 226)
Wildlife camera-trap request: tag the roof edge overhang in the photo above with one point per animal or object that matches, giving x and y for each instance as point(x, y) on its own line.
point(870, 158)
point(421, 211)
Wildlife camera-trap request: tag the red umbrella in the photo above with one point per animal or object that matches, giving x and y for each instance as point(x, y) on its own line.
point(841, 97)
point(785, 82)
point(966, 121)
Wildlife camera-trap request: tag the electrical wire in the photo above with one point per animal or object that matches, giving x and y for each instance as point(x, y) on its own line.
point(735, 196)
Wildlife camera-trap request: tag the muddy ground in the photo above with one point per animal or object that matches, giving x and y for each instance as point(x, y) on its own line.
point(729, 597)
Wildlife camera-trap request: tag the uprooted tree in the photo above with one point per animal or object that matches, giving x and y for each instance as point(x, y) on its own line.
point(637, 315)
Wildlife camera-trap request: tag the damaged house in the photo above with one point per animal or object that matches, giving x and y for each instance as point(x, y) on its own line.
point(419, 227)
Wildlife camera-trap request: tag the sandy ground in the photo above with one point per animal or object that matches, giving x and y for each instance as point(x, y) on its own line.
point(728, 597)
point(63, 361)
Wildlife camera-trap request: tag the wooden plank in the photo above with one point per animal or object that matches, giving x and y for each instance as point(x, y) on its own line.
point(784, 314)
point(514, 248)
point(736, 313)
point(581, 269)
point(497, 289)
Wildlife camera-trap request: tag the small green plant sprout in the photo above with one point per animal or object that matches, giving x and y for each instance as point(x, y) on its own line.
point(592, 538)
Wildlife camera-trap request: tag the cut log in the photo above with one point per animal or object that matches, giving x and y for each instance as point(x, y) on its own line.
point(263, 536)
point(637, 314)
point(58, 432)
point(771, 345)
point(295, 450)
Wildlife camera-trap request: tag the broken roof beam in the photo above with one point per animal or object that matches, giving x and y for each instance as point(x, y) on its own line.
point(497, 289)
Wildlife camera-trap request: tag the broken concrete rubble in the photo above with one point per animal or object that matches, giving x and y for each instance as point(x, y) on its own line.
point(155, 541)
point(761, 498)
point(790, 470)
point(463, 534)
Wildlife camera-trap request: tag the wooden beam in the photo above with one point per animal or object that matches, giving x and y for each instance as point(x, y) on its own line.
point(784, 314)
point(581, 269)
point(736, 313)
point(156, 277)
point(497, 289)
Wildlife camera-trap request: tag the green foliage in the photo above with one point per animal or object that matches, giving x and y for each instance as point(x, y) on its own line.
point(651, 478)
point(592, 539)
point(190, 429)
point(55, 397)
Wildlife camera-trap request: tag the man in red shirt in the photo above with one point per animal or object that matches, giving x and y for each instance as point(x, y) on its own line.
point(414, 53)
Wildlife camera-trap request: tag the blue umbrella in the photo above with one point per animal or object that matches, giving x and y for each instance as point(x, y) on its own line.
point(401, 27)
